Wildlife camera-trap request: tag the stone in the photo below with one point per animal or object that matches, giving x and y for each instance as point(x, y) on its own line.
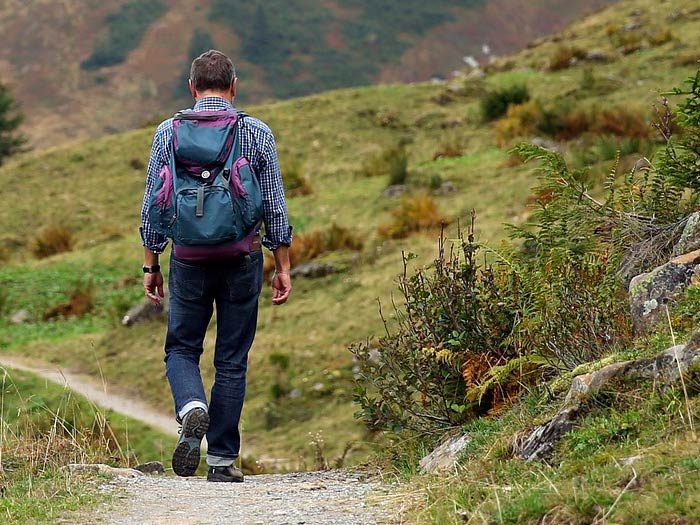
point(315, 269)
point(650, 292)
point(665, 367)
point(95, 469)
point(396, 190)
point(145, 311)
point(446, 455)
point(690, 238)
point(21, 317)
point(597, 55)
point(546, 144)
point(447, 187)
point(152, 467)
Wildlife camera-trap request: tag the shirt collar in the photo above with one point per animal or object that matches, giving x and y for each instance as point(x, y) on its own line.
point(212, 104)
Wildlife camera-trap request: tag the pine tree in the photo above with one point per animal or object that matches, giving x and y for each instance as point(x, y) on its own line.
point(11, 141)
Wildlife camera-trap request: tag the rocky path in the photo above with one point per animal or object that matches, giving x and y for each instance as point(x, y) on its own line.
point(309, 498)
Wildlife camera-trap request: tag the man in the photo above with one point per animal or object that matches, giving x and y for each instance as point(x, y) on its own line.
point(232, 285)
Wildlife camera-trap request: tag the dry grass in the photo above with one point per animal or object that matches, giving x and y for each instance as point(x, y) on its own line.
point(415, 214)
point(52, 240)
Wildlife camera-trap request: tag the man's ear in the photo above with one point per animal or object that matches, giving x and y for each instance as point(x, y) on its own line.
point(234, 84)
point(193, 91)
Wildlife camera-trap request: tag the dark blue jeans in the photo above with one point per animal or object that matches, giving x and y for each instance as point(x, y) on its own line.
point(234, 287)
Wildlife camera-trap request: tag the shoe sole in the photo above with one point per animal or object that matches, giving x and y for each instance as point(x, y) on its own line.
point(224, 479)
point(186, 455)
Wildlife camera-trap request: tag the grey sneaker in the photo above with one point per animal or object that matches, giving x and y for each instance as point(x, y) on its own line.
point(186, 456)
point(231, 474)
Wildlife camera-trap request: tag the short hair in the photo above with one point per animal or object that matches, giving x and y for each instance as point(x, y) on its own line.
point(212, 71)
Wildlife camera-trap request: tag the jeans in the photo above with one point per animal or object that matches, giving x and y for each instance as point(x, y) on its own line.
point(194, 289)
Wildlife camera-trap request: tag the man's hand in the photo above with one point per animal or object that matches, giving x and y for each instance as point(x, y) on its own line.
point(281, 287)
point(153, 284)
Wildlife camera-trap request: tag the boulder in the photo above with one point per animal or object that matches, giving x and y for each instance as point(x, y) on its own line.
point(649, 292)
point(21, 317)
point(103, 470)
point(315, 270)
point(690, 238)
point(397, 190)
point(145, 311)
point(446, 455)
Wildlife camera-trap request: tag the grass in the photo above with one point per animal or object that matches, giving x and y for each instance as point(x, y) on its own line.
point(96, 189)
point(43, 427)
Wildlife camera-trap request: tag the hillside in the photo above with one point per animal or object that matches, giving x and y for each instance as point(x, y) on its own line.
point(82, 68)
point(591, 89)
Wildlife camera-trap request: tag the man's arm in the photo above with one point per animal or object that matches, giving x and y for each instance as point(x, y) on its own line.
point(152, 241)
point(281, 281)
point(278, 233)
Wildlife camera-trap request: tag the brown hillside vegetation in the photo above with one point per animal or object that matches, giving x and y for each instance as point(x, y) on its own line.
point(44, 43)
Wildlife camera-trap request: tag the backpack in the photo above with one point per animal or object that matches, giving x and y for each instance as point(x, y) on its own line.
point(207, 199)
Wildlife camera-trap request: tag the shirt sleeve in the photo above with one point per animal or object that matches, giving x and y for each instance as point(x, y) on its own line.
point(151, 239)
point(277, 230)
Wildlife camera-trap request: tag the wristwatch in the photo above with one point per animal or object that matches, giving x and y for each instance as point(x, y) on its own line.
point(151, 269)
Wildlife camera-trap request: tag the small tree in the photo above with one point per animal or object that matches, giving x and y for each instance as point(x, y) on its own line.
point(11, 141)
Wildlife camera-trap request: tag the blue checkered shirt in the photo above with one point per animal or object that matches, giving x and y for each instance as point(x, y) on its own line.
point(257, 145)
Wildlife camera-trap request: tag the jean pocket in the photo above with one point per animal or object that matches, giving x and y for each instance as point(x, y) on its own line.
point(246, 282)
point(186, 282)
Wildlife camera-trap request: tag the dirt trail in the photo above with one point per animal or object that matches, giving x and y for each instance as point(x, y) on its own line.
point(98, 394)
point(308, 498)
point(305, 498)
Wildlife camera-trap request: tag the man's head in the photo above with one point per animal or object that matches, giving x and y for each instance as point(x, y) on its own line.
point(212, 74)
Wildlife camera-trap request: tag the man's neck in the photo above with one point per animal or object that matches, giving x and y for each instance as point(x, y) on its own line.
point(217, 94)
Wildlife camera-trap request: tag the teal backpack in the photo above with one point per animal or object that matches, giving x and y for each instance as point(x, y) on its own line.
point(208, 199)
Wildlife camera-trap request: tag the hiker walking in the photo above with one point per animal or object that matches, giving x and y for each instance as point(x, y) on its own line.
point(213, 181)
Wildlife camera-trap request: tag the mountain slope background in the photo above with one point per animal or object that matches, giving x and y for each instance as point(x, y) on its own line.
point(301, 374)
point(83, 67)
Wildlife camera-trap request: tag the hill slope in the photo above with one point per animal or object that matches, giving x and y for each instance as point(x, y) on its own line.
point(301, 374)
point(83, 67)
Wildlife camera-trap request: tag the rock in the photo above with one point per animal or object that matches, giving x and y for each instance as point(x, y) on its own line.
point(295, 394)
point(446, 188)
point(446, 455)
point(21, 317)
point(649, 292)
point(546, 144)
point(597, 55)
point(666, 367)
point(145, 311)
point(690, 238)
point(397, 190)
point(314, 270)
point(152, 467)
point(103, 470)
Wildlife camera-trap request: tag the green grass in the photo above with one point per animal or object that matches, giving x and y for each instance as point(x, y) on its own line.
point(43, 427)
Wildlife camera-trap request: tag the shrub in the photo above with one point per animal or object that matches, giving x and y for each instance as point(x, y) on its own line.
point(469, 338)
point(451, 145)
point(413, 215)
point(52, 240)
point(519, 120)
point(309, 246)
point(295, 183)
point(495, 104)
point(391, 161)
point(564, 57)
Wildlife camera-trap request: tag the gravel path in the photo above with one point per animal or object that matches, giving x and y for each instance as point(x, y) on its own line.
point(309, 498)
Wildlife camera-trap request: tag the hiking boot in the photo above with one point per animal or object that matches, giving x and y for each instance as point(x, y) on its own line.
point(230, 474)
point(186, 456)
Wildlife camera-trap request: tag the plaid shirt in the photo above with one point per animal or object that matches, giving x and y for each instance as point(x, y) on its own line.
point(257, 145)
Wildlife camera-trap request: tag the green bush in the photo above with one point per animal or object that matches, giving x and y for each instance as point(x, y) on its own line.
point(495, 104)
point(470, 338)
point(391, 161)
